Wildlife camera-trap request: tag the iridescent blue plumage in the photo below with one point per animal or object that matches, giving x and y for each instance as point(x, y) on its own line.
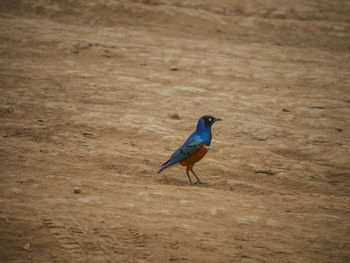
point(203, 131)
point(202, 135)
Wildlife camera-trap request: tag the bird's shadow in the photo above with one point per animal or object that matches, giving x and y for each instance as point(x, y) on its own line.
point(167, 180)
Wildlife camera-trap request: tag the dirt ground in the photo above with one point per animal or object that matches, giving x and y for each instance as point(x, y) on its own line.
point(88, 89)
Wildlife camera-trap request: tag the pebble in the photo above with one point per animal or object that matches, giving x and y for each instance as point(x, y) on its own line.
point(27, 246)
point(317, 109)
point(47, 150)
point(264, 171)
point(286, 110)
point(174, 116)
point(77, 190)
point(85, 133)
point(339, 129)
point(30, 180)
point(173, 68)
point(10, 109)
point(261, 137)
point(26, 181)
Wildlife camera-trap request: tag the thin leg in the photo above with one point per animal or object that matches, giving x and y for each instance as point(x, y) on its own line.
point(198, 181)
point(189, 178)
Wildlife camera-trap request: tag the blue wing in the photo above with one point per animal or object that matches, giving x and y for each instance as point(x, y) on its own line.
point(192, 145)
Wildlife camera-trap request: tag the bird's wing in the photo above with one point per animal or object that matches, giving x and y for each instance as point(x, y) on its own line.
point(191, 146)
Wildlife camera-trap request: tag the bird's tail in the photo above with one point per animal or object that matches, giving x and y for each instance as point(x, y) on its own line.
point(161, 169)
point(165, 165)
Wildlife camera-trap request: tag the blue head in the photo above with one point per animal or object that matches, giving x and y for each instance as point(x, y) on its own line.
point(204, 128)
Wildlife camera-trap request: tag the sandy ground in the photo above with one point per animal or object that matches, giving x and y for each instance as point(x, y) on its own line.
point(87, 92)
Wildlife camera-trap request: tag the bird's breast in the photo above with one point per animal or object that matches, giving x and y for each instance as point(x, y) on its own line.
point(198, 155)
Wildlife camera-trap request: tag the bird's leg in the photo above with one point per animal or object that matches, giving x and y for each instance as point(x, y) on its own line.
point(198, 181)
point(189, 178)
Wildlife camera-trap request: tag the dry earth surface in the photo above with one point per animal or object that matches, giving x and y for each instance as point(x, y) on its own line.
point(88, 89)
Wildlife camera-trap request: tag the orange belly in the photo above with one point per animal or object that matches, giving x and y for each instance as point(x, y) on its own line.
point(190, 161)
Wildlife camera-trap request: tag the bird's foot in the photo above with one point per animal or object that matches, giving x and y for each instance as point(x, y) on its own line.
point(200, 182)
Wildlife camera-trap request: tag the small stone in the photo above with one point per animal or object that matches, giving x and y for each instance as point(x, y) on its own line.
point(173, 68)
point(41, 120)
point(86, 133)
point(46, 150)
point(11, 109)
point(339, 129)
point(30, 180)
point(261, 137)
point(263, 171)
point(174, 116)
point(286, 110)
point(26, 246)
point(77, 190)
point(317, 109)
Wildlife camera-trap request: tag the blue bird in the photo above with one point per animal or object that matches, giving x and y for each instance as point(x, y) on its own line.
point(194, 148)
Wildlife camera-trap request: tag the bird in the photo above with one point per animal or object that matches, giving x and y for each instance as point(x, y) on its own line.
point(194, 148)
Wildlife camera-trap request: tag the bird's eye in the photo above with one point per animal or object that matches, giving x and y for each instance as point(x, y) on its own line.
point(209, 119)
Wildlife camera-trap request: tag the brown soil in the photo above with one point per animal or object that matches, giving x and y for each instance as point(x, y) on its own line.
point(87, 92)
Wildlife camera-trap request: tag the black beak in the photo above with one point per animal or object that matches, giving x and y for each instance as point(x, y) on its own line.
point(217, 119)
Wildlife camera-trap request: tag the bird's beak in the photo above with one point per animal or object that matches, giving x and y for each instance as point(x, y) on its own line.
point(217, 119)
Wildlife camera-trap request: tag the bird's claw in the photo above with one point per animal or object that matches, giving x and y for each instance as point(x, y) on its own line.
point(200, 182)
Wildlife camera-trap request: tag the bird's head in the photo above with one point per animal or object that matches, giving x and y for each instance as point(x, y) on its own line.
point(205, 122)
point(209, 120)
